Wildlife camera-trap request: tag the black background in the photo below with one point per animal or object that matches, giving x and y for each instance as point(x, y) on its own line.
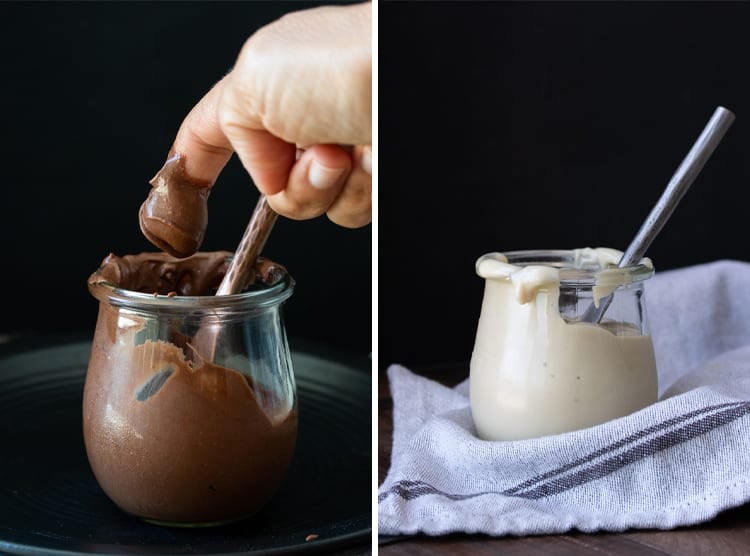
point(92, 95)
point(503, 126)
point(546, 125)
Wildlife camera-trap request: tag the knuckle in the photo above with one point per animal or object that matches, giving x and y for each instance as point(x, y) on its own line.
point(296, 208)
point(350, 219)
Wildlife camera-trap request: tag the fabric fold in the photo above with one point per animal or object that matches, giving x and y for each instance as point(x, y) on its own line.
point(677, 462)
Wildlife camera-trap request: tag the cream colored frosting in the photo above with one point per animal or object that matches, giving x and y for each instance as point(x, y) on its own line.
point(529, 279)
point(533, 373)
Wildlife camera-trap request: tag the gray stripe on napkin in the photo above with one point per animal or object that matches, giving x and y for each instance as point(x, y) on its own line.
point(626, 451)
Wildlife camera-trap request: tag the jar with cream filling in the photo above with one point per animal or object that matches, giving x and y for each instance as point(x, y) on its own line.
point(190, 408)
point(536, 368)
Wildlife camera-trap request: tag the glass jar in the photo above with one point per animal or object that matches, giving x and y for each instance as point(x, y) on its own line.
point(190, 408)
point(541, 365)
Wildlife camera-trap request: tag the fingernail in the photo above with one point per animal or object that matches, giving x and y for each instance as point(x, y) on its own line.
point(367, 161)
point(321, 177)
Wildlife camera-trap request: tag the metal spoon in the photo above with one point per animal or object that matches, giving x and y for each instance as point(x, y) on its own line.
point(251, 244)
point(681, 181)
point(236, 277)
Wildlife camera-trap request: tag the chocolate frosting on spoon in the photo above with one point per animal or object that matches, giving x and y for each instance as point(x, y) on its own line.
point(175, 214)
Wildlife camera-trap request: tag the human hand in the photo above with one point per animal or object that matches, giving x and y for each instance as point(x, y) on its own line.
point(297, 110)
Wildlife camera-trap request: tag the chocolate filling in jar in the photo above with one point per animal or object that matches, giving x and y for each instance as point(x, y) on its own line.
point(171, 437)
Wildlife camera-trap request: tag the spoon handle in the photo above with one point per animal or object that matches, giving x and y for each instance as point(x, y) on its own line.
point(251, 244)
point(206, 339)
point(681, 181)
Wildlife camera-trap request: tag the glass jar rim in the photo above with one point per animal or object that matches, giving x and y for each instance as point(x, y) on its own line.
point(564, 260)
point(105, 291)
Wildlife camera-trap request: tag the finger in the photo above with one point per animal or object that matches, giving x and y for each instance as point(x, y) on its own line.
point(267, 158)
point(175, 214)
point(200, 141)
point(353, 207)
point(314, 182)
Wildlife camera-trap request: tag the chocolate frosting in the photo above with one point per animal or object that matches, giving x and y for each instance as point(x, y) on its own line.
point(174, 444)
point(175, 214)
point(162, 274)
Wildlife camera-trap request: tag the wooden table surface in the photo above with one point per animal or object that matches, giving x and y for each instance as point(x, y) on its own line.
point(726, 535)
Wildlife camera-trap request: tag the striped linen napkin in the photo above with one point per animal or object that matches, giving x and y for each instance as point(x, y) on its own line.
point(677, 462)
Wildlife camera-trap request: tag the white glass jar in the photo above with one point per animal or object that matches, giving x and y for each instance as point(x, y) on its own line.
point(536, 368)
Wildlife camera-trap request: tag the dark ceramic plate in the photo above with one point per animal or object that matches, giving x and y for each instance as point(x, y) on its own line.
point(50, 502)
